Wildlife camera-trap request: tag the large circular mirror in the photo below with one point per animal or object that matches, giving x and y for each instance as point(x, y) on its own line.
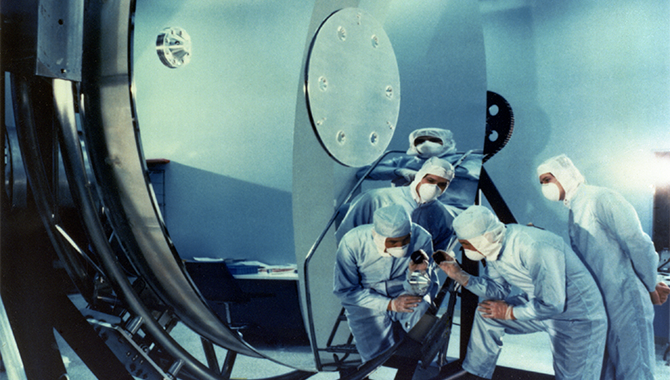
point(242, 181)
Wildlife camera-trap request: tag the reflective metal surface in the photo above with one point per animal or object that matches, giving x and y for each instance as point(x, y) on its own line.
point(11, 358)
point(59, 39)
point(439, 49)
point(353, 87)
point(16, 183)
point(250, 177)
point(119, 167)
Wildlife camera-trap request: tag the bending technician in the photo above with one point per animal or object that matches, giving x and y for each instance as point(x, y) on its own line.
point(558, 295)
point(372, 279)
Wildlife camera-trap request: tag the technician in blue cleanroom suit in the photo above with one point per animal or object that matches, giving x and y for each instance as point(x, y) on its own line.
point(606, 234)
point(372, 274)
point(558, 295)
point(433, 142)
point(419, 199)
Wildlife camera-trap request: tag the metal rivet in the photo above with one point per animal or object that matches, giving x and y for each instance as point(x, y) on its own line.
point(323, 83)
point(341, 137)
point(342, 33)
point(375, 41)
point(389, 92)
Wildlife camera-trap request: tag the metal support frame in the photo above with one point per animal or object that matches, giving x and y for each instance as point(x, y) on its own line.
point(68, 320)
point(117, 277)
point(61, 59)
point(315, 246)
point(59, 39)
point(496, 200)
point(9, 350)
point(38, 245)
point(411, 349)
point(42, 134)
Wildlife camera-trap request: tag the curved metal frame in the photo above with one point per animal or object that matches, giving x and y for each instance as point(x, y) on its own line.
point(9, 165)
point(82, 193)
point(114, 148)
point(310, 254)
point(112, 136)
point(79, 184)
point(376, 362)
point(116, 155)
point(46, 202)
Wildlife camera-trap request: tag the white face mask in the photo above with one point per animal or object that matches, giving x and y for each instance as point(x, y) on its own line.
point(491, 251)
point(429, 192)
point(380, 242)
point(429, 149)
point(398, 252)
point(551, 191)
point(473, 255)
point(485, 248)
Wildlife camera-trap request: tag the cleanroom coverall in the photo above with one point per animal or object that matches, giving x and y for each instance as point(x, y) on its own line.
point(605, 232)
point(434, 216)
point(365, 282)
point(559, 296)
point(462, 189)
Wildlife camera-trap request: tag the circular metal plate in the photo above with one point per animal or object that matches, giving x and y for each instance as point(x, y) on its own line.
point(353, 87)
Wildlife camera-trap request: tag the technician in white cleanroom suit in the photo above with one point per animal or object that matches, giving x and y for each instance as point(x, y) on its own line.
point(371, 278)
point(559, 295)
point(433, 142)
point(606, 233)
point(419, 199)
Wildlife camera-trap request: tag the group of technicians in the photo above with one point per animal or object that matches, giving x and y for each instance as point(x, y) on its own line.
point(594, 297)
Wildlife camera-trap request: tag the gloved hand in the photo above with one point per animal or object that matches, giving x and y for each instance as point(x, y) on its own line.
point(660, 295)
point(404, 303)
point(663, 291)
point(496, 309)
point(407, 174)
point(453, 270)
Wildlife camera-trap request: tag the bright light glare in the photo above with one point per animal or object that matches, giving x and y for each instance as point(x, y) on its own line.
point(640, 169)
point(661, 169)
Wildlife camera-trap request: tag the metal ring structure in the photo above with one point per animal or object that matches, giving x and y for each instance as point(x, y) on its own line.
point(47, 203)
point(113, 145)
point(73, 158)
point(112, 136)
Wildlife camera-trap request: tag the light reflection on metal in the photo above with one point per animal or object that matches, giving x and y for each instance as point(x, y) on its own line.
point(353, 87)
point(60, 28)
point(173, 46)
point(16, 183)
point(9, 349)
